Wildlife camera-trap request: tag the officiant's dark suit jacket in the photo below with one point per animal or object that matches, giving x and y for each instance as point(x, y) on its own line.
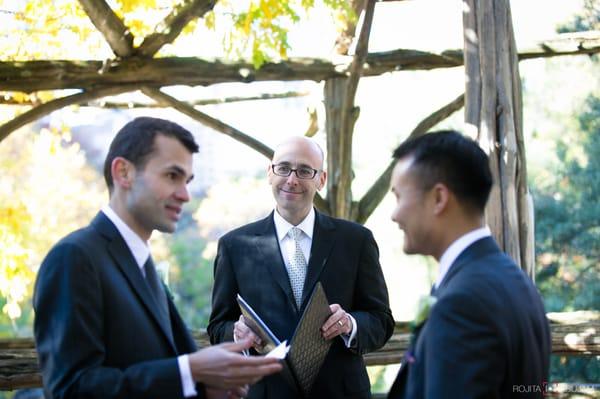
point(486, 337)
point(98, 330)
point(344, 258)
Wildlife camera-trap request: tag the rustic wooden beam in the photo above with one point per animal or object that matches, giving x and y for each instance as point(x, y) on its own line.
point(113, 29)
point(348, 116)
point(380, 188)
point(573, 334)
point(346, 36)
point(8, 99)
point(46, 108)
point(207, 120)
point(168, 30)
point(31, 76)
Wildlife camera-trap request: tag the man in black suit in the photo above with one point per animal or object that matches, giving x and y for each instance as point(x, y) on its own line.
point(274, 264)
point(486, 335)
point(104, 326)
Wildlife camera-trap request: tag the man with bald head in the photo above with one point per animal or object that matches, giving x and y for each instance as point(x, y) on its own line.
point(274, 264)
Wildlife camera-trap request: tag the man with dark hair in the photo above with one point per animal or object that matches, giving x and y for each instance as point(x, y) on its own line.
point(274, 264)
point(105, 326)
point(485, 332)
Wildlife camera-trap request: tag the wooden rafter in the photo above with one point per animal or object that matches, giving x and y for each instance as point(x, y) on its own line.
point(348, 115)
point(173, 24)
point(216, 124)
point(7, 99)
point(58, 103)
point(113, 29)
point(30, 76)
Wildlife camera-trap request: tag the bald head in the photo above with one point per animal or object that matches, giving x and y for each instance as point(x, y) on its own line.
point(301, 145)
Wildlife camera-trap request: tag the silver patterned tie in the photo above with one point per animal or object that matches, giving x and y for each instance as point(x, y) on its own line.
point(297, 266)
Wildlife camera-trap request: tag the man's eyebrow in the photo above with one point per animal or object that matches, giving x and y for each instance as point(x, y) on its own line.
point(180, 171)
point(177, 169)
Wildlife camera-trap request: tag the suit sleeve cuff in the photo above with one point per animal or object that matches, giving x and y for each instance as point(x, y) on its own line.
point(187, 382)
point(350, 339)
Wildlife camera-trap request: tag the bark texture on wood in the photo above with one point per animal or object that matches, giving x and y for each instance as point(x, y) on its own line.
point(341, 92)
point(168, 30)
point(113, 29)
point(31, 76)
point(216, 124)
point(493, 111)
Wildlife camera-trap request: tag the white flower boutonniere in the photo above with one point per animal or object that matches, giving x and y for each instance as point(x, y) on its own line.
point(424, 307)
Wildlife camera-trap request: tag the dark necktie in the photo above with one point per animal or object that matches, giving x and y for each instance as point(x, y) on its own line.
point(158, 291)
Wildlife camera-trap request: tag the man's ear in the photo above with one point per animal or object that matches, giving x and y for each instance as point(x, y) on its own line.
point(322, 180)
point(441, 196)
point(123, 172)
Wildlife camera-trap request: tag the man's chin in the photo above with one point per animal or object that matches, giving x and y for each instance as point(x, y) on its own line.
point(167, 227)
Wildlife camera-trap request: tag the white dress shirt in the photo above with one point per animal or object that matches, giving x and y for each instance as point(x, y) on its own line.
point(287, 248)
point(141, 251)
point(456, 248)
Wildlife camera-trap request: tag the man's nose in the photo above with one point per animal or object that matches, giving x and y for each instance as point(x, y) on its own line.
point(183, 193)
point(292, 178)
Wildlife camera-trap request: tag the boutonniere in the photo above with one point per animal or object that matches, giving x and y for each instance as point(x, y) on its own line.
point(424, 307)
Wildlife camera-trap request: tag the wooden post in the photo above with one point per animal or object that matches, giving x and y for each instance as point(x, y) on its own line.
point(493, 112)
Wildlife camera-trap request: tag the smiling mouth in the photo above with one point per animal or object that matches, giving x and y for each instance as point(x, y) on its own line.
point(175, 211)
point(291, 192)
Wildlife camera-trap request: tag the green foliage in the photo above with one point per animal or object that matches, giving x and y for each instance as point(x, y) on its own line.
point(46, 191)
point(568, 232)
point(191, 279)
point(259, 28)
point(589, 19)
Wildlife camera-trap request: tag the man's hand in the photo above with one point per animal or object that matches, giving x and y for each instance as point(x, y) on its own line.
point(221, 366)
point(236, 393)
point(242, 332)
point(338, 323)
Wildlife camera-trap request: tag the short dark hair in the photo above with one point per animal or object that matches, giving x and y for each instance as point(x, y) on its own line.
point(135, 142)
point(450, 158)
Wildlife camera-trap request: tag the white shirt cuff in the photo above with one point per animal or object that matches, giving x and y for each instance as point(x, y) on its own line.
point(349, 339)
point(187, 382)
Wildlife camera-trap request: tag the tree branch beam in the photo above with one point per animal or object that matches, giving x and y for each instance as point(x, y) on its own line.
point(168, 30)
point(348, 115)
point(379, 189)
point(31, 76)
point(113, 29)
point(7, 99)
point(207, 120)
point(56, 104)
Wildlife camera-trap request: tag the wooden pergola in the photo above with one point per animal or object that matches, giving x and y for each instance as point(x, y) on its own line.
point(492, 102)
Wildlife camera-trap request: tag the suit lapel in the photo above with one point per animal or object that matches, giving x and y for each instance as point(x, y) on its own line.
point(474, 251)
point(322, 242)
point(267, 246)
point(126, 263)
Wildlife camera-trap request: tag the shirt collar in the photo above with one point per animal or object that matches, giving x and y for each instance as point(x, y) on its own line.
point(282, 226)
point(456, 248)
point(138, 247)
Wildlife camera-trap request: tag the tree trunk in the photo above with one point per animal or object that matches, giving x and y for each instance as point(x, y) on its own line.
point(493, 110)
point(339, 149)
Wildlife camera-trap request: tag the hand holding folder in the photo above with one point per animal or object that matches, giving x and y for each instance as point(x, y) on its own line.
point(307, 349)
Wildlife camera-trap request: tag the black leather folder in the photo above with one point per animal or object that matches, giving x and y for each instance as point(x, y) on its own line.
point(308, 348)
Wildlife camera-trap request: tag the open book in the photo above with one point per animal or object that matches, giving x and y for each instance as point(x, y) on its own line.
point(307, 348)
